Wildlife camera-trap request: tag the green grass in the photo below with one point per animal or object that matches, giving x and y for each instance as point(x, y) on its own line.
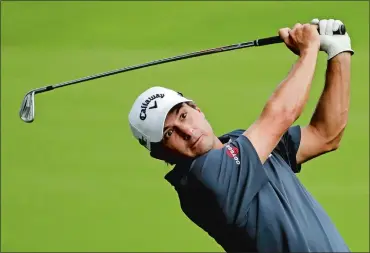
point(76, 180)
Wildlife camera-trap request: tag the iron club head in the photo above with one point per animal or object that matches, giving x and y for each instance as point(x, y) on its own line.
point(27, 111)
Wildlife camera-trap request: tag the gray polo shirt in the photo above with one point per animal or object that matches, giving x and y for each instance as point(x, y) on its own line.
point(248, 206)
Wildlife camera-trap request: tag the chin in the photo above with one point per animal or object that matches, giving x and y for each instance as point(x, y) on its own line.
point(204, 145)
point(204, 149)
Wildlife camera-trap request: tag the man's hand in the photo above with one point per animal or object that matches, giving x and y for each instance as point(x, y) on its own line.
point(330, 43)
point(301, 39)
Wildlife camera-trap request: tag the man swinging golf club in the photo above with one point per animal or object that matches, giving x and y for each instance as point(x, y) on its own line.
point(241, 187)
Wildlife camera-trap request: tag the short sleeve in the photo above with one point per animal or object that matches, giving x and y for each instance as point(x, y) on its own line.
point(234, 174)
point(288, 147)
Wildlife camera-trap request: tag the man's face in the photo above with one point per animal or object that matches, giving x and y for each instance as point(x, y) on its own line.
point(187, 132)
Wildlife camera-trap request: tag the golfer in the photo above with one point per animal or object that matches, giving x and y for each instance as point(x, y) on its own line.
point(241, 187)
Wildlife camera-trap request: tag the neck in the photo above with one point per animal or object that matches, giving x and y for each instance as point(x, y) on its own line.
point(217, 144)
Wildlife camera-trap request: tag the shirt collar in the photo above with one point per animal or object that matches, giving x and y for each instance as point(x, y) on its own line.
point(177, 173)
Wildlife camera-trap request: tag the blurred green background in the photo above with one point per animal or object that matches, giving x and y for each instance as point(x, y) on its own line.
point(76, 180)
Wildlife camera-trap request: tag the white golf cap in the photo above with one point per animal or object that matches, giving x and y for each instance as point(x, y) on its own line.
point(149, 112)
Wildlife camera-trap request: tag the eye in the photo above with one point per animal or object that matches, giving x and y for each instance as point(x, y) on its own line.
point(183, 115)
point(168, 133)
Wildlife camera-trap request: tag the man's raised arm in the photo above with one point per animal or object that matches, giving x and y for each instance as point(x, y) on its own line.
point(325, 130)
point(287, 102)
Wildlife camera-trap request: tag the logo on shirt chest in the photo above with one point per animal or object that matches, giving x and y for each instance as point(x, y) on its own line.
point(233, 153)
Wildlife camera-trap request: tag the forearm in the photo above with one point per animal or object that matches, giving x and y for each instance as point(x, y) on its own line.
point(291, 95)
point(331, 114)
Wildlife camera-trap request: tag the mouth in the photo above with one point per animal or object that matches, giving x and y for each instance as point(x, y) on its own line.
point(196, 142)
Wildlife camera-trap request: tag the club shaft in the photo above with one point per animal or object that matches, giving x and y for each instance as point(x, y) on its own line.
point(260, 42)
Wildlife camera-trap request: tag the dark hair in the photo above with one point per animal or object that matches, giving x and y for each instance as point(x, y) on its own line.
point(160, 152)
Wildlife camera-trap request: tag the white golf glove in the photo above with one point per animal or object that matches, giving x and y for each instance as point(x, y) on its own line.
point(330, 43)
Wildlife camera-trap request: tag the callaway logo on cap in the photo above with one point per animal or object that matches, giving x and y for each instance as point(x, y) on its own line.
point(149, 112)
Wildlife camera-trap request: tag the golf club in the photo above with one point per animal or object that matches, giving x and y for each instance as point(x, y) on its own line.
point(27, 110)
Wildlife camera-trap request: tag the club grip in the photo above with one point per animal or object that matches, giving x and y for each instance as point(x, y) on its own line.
point(268, 41)
point(277, 39)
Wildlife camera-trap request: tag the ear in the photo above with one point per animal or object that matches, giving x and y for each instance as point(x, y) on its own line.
point(200, 111)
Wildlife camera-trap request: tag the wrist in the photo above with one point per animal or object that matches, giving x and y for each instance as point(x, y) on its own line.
point(344, 56)
point(338, 45)
point(309, 51)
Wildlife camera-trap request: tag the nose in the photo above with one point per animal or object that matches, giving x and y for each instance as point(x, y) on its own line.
point(186, 131)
